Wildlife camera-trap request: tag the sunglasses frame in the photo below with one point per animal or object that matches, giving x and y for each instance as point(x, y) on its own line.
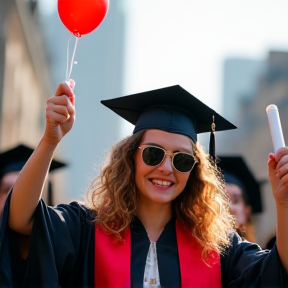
point(172, 155)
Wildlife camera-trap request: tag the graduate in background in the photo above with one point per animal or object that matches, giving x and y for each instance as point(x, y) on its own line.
point(11, 163)
point(244, 193)
point(156, 216)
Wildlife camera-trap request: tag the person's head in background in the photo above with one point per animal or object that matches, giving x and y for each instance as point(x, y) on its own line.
point(243, 191)
point(11, 163)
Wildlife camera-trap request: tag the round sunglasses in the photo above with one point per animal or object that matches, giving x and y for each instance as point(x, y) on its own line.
point(181, 161)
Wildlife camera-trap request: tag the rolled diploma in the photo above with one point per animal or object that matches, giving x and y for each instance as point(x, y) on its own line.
point(275, 127)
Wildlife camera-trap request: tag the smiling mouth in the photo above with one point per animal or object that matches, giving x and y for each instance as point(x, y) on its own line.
point(161, 183)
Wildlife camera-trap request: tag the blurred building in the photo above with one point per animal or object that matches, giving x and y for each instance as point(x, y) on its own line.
point(252, 138)
point(24, 77)
point(240, 83)
point(25, 82)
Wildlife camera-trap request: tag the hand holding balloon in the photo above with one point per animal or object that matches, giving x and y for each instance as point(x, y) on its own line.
point(275, 127)
point(60, 113)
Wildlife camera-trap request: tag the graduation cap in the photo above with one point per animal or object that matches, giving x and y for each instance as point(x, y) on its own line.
point(172, 109)
point(236, 171)
point(15, 158)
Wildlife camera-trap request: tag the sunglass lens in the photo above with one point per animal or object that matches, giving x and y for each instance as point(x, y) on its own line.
point(152, 156)
point(183, 162)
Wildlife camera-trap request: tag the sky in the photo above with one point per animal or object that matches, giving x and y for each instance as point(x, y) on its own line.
point(186, 41)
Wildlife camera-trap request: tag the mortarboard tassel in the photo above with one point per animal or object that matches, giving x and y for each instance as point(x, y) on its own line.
point(212, 141)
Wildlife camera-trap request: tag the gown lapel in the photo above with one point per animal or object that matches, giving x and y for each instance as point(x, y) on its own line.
point(122, 264)
point(112, 260)
point(194, 272)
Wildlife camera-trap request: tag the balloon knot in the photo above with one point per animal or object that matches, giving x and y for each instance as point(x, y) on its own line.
point(77, 34)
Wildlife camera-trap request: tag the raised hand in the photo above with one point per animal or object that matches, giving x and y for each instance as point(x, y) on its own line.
point(278, 175)
point(60, 116)
point(60, 113)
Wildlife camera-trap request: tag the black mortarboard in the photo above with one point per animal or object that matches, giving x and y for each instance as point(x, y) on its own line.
point(15, 158)
point(171, 109)
point(236, 171)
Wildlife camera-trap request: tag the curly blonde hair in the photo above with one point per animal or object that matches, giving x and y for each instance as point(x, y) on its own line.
point(202, 206)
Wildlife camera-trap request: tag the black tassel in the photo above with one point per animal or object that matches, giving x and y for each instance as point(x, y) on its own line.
point(212, 142)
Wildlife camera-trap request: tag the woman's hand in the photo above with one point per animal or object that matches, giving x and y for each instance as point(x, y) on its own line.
point(278, 175)
point(60, 113)
point(60, 116)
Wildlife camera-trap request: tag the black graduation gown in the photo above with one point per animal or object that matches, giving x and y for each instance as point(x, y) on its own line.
point(61, 254)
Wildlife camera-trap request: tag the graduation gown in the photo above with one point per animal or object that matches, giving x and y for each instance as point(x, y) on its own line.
point(62, 243)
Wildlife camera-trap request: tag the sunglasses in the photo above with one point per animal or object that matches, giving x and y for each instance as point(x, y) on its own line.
point(181, 161)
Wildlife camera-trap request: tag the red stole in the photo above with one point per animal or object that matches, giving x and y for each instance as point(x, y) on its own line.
point(112, 261)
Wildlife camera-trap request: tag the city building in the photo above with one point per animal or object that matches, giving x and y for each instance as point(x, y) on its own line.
point(252, 139)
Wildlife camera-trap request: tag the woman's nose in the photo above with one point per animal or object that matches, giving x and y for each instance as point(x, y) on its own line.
point(166, 166)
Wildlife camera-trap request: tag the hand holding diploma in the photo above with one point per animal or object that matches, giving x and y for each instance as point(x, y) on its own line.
point(278, 176)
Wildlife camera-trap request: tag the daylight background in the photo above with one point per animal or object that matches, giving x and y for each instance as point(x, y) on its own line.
point(155, 44)
point(217, 50)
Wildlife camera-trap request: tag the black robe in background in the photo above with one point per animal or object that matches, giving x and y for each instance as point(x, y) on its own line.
point(61, 254)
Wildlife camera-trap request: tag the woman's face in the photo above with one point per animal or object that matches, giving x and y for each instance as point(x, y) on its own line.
point(237, 204)
point(161, 184)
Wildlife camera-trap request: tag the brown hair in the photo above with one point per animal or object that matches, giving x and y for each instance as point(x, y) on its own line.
point(202, 206)
point(113, 193)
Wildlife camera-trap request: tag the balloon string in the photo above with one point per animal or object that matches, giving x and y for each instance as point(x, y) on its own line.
point(69, 71)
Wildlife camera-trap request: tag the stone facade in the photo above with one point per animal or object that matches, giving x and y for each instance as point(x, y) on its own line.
point(25, 82)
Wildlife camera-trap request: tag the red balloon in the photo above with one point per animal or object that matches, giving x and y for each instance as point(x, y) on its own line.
point(82, 16)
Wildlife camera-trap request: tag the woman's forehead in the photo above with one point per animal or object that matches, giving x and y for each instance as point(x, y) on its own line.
point(162, 137)
point(234, 189)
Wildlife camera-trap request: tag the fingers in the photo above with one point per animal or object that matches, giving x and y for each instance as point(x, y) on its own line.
point(59, 109)
point(281, 158)
point(273, 177)
point(272, 164)
point(282, 170)
point(65, 89)
point(280, 153)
